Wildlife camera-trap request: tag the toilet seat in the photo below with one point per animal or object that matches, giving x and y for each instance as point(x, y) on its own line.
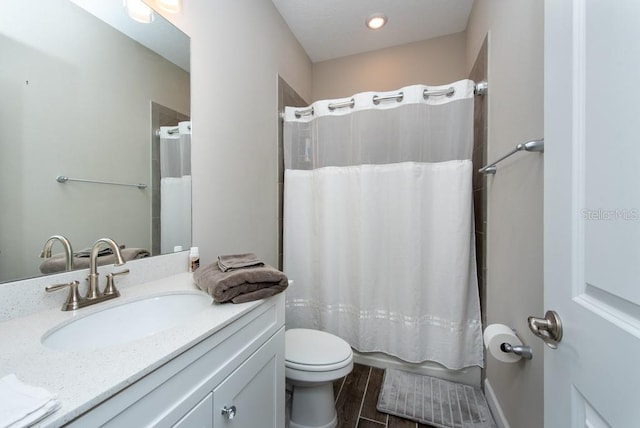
point(313, 360)
point(315, 368)
point(315, 351)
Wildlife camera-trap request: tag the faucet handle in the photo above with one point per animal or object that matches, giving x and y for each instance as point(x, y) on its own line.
point(73, 299)
point(110, 288)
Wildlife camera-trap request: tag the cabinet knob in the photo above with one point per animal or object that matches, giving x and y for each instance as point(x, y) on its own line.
point(229, 412)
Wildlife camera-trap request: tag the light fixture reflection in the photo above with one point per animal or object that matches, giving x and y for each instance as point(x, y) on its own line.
point(171, 6)
point(138, 11)
point(376, 21)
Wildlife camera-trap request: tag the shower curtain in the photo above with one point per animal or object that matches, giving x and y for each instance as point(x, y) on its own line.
point(175, 187)
point(378, 223)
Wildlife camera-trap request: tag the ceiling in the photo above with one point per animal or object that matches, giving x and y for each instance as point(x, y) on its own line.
point(329, 29)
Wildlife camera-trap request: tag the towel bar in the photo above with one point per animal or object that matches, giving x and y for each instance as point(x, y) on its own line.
point(529, 146)
point(64, 179)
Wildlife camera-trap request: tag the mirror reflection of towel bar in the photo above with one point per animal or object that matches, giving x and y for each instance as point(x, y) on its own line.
point(64, 179)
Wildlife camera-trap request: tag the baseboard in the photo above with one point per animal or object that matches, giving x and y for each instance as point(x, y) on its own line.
point(494, 406)
point(468, 376)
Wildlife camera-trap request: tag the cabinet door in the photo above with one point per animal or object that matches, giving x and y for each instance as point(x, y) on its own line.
point(199, 416)
point(253, 395)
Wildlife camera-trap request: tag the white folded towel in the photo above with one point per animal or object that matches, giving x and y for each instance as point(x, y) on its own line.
point(22, 405)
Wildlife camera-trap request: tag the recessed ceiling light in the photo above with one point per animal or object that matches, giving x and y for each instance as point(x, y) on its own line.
point(376, 21)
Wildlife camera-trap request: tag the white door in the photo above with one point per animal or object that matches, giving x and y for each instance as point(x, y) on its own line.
point(592, 211)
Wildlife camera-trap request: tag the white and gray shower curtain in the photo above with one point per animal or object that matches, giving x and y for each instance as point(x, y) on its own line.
point(378, 223)
point(175, 187)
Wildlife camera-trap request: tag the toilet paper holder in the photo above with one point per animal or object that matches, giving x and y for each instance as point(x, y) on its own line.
point(520, 350)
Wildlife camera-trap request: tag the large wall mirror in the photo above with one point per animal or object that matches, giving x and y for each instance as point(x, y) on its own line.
point(85, 98)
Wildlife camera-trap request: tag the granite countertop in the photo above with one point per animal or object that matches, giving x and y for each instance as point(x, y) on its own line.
point(84, 379)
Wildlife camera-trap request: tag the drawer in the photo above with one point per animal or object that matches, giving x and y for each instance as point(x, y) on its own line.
point(200, 416)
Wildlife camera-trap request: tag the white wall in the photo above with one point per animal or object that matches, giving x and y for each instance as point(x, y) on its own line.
point(515, 216)
point(238, 48)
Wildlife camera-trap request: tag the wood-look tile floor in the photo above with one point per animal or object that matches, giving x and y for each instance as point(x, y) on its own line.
point(356, 398)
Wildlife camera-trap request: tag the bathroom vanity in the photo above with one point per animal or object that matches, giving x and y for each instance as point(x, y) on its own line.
point(222, 363)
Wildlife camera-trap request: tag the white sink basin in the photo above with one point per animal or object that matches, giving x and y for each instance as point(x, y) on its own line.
point(126, 322)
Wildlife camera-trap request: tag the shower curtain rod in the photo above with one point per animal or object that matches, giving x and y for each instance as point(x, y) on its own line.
point(480, 88)
point(176, 130)
point(529, 146)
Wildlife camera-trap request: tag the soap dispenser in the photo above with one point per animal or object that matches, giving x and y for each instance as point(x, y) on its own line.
point(194, 259)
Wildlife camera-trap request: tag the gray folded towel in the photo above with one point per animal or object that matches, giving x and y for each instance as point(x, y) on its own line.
point(240, 285)
point(104, 251)
point(56, 263)
point(238, 261)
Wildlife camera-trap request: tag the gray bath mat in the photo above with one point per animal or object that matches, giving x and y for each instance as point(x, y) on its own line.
point(432, 401)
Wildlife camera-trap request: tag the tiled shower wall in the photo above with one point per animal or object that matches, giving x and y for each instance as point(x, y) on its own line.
point(478, 74)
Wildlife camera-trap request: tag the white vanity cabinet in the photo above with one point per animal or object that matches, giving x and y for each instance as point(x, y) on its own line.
point(238, 369)
point(248, 397)
point(200, 416)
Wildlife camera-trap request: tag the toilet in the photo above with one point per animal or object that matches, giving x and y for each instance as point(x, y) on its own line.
point(313, 360)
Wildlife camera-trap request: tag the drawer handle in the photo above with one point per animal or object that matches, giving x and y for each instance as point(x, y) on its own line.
point(229, 412)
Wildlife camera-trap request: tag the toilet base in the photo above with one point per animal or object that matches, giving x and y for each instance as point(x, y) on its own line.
point(331, 424)
point(312, 406)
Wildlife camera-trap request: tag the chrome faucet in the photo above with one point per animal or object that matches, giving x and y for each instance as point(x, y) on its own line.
point(74, 300)
point(68, 251)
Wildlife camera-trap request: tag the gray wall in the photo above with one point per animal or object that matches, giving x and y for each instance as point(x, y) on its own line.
point(515, 217)
point(430, 62)
point(85, 113)
point(238, 49)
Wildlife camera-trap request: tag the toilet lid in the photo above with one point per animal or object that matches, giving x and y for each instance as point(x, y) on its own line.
point(315, 348)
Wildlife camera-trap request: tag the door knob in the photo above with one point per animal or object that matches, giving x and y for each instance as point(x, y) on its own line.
point(549, 328)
